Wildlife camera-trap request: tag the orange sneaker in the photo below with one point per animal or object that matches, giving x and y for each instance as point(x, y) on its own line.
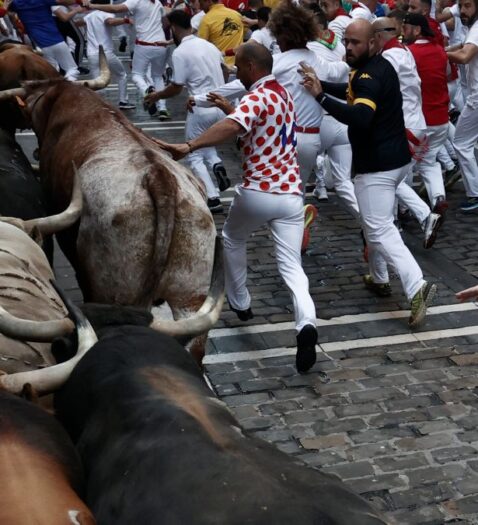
point(310, 214)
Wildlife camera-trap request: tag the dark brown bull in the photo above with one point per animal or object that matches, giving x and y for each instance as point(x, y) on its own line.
point(146, 234)
point(18, 63)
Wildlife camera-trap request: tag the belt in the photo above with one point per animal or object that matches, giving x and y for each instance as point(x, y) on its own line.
point(300, 129)
point(154, 44)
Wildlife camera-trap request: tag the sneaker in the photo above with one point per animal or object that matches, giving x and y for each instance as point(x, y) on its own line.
point(243, 315)
point(215, 205)
point(441, 205)
point(451, 177)
point(164, 114)
point(152, 108)
point(126, 105)
point(320, 193)
point(306, 354)
point(122, 45)
point(431, 225)
point(420, 302)
point(470, 204)
point(379, 289)
point(221, 176)
point(310, 214)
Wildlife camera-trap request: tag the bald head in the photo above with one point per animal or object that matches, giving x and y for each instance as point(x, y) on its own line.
point(359, 43)
point(253, 61)
point(384, 29)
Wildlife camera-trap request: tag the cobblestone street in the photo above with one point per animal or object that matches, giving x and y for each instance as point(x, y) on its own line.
point(392, 412)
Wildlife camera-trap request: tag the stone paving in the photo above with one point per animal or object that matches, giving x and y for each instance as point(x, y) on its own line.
point(392, 413)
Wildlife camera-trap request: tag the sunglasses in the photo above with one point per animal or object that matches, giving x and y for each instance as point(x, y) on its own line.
point(389, 29)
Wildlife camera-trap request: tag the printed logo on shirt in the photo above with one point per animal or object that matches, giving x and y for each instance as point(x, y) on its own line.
point(230, 27)
point(365, 75)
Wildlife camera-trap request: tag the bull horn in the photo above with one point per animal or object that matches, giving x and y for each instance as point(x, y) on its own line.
point(47, 380)
point(103, 79)
point(39, 331)
point(210, 310)
point(11, 93)
point(61, 221)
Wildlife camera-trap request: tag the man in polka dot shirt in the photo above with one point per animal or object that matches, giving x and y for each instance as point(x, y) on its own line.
point(271, 191)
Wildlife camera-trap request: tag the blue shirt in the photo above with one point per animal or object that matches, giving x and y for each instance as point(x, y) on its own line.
point(38, 20)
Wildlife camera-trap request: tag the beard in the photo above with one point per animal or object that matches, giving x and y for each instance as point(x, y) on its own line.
point(467, 20)
point(357, 61)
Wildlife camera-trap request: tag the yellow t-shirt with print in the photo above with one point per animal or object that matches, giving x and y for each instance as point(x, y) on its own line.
point(222, 27)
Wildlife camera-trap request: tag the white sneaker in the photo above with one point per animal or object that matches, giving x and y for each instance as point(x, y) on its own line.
point(320, 193)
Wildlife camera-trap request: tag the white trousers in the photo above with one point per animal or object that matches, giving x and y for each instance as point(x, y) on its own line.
point(406, 195)
point(376, 198)
point(145, 57)
point(335, 141)
point(118, 72)
point(466, 135)
point(204, 158)
point(284, 214)
point(429, 168)
point(308, 147)
point(60, 55)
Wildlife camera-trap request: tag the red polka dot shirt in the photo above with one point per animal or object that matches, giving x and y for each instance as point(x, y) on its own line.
point(269, 144)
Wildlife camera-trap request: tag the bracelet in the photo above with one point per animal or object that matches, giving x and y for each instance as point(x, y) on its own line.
point(320, 97)
point(189, 146)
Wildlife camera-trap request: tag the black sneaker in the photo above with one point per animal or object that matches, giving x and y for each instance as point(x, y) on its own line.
point(215, 205)
point(451, 177)
point(470, 204)
point(122, 45)
point(306, 355)
point(151, 108)
point(164, 115)
point(221, 176)
point(243, 315)
point(126, 105)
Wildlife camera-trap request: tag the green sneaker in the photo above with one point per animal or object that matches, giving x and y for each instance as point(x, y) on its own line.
point(380, 289)
point(420, 302)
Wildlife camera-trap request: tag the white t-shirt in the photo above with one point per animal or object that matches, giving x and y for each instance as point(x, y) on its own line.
point(404, 64)
point(458, 35)
point(98, 33)
point(268, 144)
point(197, 65)
point(339, 24)
point(472, 68)
point(333, 52)
point(362, 11)
point(264, 37)
point(196, 20)
point(148, 19)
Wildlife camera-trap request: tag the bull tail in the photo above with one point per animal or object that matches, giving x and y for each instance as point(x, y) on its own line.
point(162, 187)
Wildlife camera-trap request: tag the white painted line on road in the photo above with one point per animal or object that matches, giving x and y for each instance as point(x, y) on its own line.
point(342, 320)
point(338, 346)
point(163, 128)
point(155, 123)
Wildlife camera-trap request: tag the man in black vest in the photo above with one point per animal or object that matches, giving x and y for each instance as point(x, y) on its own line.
point(381, 159)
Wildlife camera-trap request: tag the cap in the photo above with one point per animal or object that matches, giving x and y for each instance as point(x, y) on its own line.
point(414, 19)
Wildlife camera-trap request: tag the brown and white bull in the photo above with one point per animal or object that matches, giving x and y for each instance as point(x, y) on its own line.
point(18, 63)
point(146, 234)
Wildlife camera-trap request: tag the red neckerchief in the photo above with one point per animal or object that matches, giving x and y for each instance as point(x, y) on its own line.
point(341, 12)
point(355, 5)
point(273, 85)
point(394, 42)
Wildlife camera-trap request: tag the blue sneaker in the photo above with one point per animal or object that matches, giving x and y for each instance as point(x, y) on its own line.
point(470, 204)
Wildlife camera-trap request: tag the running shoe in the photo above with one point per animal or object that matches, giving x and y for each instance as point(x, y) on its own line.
point(215, 205)
point(310, 214)
point(320, 193)
point(430, 229)
point(379, 289)
point(164, 114)
point(470, 204)
point(306, 354)
point(151, 108)
point(420, 302)
point(126, 105)
point(451, 177)
point(221, 176)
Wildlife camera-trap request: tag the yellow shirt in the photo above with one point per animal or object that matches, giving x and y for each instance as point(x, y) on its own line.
point(223, 28)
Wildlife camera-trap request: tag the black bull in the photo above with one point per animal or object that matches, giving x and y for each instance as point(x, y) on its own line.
point(159, 447)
